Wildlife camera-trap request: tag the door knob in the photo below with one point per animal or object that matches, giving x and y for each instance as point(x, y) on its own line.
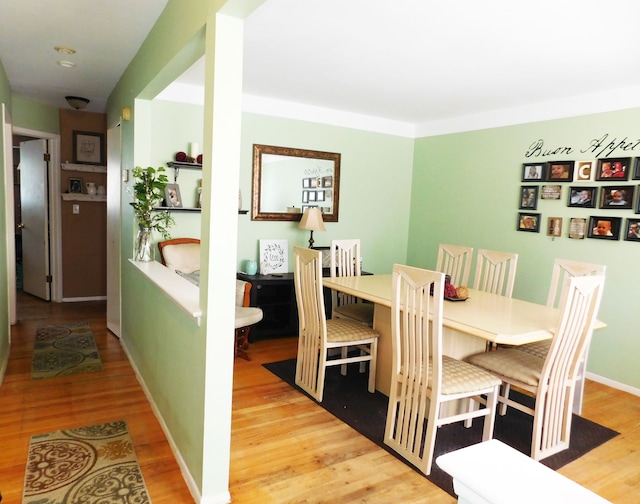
point(21, 226)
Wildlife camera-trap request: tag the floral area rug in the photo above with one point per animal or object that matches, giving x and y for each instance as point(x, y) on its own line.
point(89, 465)
point(64, 350)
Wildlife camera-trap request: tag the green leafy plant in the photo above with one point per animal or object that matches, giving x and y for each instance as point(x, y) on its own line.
point(148, 192)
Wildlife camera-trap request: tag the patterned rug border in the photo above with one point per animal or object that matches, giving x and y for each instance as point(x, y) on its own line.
point(64, 349)
point(91, 464)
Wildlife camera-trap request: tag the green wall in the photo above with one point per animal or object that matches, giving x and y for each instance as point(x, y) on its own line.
point(5, 334)
point(466, 189)
point(35, 116)
point(375, 177)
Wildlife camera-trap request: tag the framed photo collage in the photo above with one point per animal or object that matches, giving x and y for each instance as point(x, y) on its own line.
point(602, 185)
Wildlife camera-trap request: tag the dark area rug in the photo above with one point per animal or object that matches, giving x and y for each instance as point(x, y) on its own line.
point(66, 349)
point(346, 397)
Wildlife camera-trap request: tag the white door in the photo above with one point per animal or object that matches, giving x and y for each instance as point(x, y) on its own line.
point(35, 218)
point(113, 230)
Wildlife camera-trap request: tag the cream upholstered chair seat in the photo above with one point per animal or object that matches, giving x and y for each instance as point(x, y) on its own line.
point(344, 330)
point(458, 377)
point(246, 316)
point(521, 366)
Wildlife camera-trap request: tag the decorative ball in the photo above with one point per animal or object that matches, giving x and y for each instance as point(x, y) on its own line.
point(462, 292)
point(199, 158)
point(181, 156)
point(449, 290)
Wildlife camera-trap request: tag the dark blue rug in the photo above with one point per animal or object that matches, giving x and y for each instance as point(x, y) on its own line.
point(346, 398)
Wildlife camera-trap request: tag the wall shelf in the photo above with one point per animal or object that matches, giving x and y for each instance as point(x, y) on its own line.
point(84, 168)
point(84, 197)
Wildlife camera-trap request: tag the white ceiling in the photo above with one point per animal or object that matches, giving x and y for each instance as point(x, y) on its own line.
point(401, 65)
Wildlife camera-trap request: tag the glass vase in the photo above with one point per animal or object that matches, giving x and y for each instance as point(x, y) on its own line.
point(143, 250)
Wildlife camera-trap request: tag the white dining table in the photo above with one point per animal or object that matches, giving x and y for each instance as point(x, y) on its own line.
point(467, 325)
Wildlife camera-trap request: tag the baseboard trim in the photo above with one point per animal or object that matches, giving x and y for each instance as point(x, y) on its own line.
point(80, 299)
point(613, 384)
point(191, 484)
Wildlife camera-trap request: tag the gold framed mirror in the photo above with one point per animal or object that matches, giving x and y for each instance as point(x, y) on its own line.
point(286, 181)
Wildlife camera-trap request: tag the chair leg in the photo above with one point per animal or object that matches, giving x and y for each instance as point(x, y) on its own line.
point(505, 393)
point(242, 343)
point(343, 367)
point(490, 418)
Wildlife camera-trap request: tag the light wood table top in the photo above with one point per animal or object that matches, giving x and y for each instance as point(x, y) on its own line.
point(495, 318)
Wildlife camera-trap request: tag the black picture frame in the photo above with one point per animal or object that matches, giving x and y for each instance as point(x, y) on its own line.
point(172, 197)
point(76, 185)
point(636, 169)
point(579, 199)
point(529, 222)
point(610, 197)
point(599, 229)
point(613, 169)
point(529, 197)
point(559, 171)
point(632, 230)
point(88, 148)
point(532, 172)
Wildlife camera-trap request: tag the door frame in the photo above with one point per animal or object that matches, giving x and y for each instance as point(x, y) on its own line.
point(55, 228)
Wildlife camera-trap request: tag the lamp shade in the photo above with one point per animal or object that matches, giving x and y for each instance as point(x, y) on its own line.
point(312, 220)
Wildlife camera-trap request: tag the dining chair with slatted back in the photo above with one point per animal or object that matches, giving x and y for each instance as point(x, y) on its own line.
point(455, 261)
point(345, 262)
point(551, 381)
point(422, 378)
point(563, 269)
point(317, 335)
point(495, 272)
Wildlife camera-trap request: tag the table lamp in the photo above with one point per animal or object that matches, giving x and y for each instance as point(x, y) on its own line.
point(312, 220)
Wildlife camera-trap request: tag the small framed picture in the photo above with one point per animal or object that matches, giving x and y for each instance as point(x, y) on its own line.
point(529, 222)
point(577, 228)
point(560, 171)
point(326, 256)
point(172, 196)
point(319, 195)
point(613, 169)
point(554, 226)
point(532, 172)
point(580, 196)
point(616, 197)
point(327, 181)
point(636, 169)
point(306, 183)
point(88, 148)
point(75, 185)
point(313, 195)
point(529, 197)
point(583, 171)
point(632, 232)
point(551, 192)
point(605, 228)
point(305, 195)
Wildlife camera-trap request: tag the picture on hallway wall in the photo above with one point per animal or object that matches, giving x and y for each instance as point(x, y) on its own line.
point(529, 222)
point(88, 148)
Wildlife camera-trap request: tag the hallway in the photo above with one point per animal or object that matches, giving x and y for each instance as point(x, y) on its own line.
point(32, 407)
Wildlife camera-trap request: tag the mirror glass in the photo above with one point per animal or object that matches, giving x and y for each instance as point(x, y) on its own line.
point(286, 181)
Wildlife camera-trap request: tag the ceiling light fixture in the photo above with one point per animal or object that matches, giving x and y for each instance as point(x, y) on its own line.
point(77, 102)
point(64, 50)
point(66, 64)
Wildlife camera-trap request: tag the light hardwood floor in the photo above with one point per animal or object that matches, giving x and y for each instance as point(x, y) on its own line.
point(284, 447)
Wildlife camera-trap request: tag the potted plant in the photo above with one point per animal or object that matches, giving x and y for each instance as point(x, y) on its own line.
point(148, 193)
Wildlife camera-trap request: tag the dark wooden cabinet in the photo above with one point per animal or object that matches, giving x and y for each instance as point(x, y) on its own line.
point(277, 297)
